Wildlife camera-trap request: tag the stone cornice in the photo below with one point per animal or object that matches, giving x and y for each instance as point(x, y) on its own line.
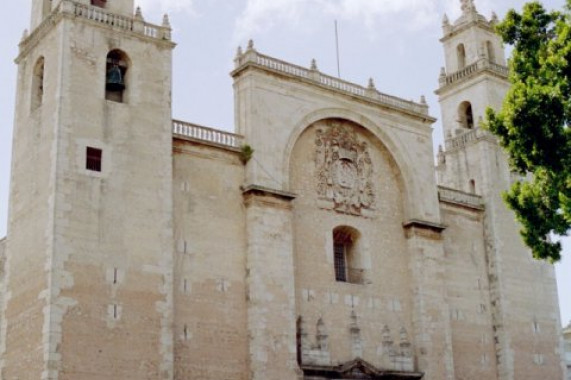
point(134, 26)
point(257, 190)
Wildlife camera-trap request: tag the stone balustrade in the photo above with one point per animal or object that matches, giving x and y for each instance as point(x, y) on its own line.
point(449, 195)
point(70, 8)
point(101, 16)
point(482, 64)
point(468, 137)
point(251, 56)
point(208, 135)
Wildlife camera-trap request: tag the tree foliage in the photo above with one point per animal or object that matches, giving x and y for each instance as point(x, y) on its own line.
point(533, 124)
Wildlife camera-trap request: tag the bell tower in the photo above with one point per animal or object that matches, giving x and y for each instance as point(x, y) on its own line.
point(89, 254)
point(475, 77)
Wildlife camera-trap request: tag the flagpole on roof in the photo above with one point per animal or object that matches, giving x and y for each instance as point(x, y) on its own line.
point(337, 48)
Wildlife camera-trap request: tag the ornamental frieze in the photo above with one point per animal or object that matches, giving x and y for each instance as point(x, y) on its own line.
point(344, 170)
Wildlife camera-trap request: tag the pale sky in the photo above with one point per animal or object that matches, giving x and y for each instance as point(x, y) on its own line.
point(393, 41)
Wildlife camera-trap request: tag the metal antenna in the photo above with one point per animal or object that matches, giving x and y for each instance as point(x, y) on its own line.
point(337, 47)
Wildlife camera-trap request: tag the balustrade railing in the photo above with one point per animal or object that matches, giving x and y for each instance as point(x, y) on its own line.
point(99, 15)
point(467, 137)
point(446, 194)
point(476, 67)
point(68, 7)
point(206, 134)
point(252, 56)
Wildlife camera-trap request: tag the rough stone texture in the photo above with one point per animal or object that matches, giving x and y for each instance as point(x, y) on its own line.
point(182, 259)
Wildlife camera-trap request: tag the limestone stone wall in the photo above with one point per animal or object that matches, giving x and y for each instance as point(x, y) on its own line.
point(468, 293)
point(210, 321)
point(30, 221)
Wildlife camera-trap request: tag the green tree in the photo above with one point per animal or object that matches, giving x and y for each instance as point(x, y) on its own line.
point(533, 124)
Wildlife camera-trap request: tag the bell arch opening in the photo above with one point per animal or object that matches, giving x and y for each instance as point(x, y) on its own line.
point(466, 115)
point(117, 65)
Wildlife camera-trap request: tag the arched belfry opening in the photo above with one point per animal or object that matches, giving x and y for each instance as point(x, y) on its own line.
point(491, 52)
point(115, 76)
point(38, 83)
point(466, 115)
point(461, 54)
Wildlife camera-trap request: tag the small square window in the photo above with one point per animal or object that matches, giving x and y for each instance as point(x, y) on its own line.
point(93, 159)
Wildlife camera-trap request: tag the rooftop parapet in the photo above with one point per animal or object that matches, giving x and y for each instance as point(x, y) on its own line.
point(68, 8)
point(209, 136)
point(312, 75)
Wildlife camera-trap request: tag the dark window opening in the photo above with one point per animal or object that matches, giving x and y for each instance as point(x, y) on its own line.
point(38, 84)
point(93, 159)
point(116, 69)
point(347, 260)
point(99, 3)
point(340, 262)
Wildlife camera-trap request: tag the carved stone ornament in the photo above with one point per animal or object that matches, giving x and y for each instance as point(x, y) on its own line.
point(344, 170)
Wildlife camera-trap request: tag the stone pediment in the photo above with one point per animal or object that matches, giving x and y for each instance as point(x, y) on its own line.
point(354, 370)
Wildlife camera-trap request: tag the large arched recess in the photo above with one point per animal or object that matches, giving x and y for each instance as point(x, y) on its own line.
point(395, 150)
point(345, 152)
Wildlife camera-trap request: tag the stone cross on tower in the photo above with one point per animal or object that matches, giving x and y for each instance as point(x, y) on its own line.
point(468, 6)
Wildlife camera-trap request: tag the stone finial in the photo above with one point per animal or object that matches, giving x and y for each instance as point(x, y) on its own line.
point(441, 156)
point(468, 6)
point(445, 20)
point(166, 21)
point(371, 85)
point(313, 65)
point(139, 13)
point(442, 72)
point(251, 45)
point(239, 52)
point(494, 19)
point(386, 334)
point(354, 324)
point(423, 100)
point(322, 337)
point(403, 336)
point(25, 34)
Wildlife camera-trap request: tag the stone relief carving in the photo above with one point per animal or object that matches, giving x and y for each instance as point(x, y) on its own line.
point(344, 170)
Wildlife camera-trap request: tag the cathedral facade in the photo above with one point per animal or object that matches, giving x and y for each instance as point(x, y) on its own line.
point(319, 241)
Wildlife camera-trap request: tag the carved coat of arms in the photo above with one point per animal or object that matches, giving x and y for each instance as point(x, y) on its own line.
point(344, 169)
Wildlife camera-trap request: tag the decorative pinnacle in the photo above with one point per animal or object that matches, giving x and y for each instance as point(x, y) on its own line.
point(138, 13)
point(423, 99)
point(25, 34)
point(494, 18)
point(313, 65)
point(251, 45)
point(442, 72)
point(239, 52)
point(445, 20)
point(468, 6)
point(371, 85)
point(166, 21)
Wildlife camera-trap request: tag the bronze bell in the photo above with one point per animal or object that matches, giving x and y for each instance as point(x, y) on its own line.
point(115, 79)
